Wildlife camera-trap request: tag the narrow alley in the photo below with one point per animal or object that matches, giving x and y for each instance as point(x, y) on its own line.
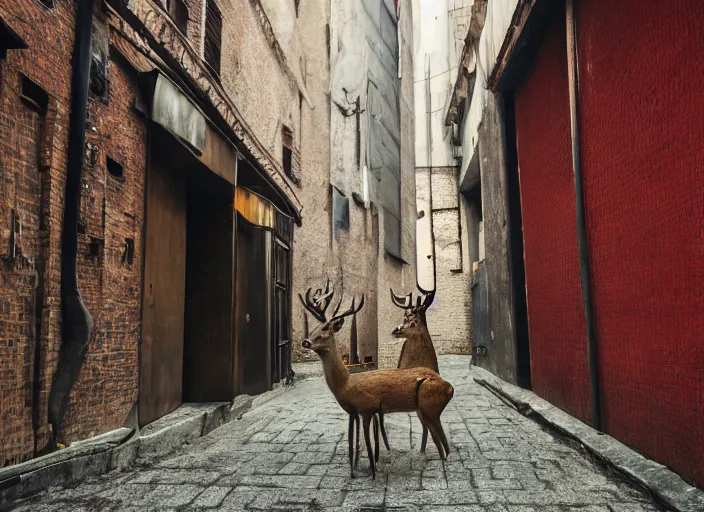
point(291, 454)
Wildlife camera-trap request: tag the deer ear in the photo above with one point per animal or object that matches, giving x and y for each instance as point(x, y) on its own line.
point(337, 324)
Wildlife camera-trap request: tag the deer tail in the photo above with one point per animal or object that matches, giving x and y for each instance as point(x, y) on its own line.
point(419, 381)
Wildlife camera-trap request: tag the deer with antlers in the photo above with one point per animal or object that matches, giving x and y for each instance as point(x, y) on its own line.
point(417, 350)
point(378, 392)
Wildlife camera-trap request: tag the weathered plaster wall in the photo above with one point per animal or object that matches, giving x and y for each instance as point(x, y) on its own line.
point(391, 272)
point(333, 153)
point(253, 76)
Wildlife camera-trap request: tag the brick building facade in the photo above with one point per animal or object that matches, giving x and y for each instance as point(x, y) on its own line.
point(35, 90)
point(189, 101)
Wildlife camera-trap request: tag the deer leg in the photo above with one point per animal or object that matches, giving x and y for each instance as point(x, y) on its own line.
point(443, 438)
point(356, 456)
point(424, 440)
point(383, 430)
point(367, 422)
point(427, 422)
point(350, 441)
point(376, 438)
point(437, 438)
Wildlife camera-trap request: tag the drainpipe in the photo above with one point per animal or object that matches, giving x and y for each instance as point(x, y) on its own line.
point(429, 135)
point(77, 322)
point(581, 221)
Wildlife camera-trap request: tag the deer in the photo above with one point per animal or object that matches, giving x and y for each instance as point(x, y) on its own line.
point(378, 392)
point(418, 349)
point(320, 301)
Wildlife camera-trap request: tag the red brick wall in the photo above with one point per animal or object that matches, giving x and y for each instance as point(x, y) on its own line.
point(33, 149)
point(50, 36)
point(641, 90)
point(107, 386)
point(555, 312)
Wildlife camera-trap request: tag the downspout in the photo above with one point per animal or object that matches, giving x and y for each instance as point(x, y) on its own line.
point(429, 128)
point(581, 221)
point(77, 322)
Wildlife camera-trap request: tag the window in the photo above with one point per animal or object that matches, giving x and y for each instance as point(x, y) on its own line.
point(288, 156)
point(33, 95)
point(179, 13)
point(114, 169)
point(213, 36)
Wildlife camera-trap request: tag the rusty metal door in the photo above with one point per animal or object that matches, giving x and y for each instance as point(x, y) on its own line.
point(253, 305)
point(164, 293)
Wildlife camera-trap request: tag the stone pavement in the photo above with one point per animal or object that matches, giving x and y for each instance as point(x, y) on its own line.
point(291, 454)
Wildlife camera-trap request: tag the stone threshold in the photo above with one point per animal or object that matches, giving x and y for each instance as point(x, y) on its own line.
point(120, 448)
point(663, 484)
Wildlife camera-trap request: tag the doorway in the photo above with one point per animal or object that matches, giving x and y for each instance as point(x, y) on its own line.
point(209, 310)
point(516, 262)
point(253, 306)
point(164, 287)
point(263, 293)
point(187, 345)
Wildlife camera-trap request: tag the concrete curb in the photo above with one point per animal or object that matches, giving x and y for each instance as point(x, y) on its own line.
point(120, 449)
point(661, 482)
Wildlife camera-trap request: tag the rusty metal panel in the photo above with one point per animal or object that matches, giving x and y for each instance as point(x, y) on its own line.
point(219, 155)
point(163, 294)
point(254, 208)
point(175, 112)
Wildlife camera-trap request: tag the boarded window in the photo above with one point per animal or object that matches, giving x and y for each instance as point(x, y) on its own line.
point(213, 36)
point(340, 211)
point(179, 13)
point(289, 158)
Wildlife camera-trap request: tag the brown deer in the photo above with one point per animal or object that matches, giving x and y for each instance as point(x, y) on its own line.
point(376, 392)
point(319, 302)
point(418, 350)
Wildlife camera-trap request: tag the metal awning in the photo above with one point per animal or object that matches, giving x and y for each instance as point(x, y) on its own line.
point(9, 39)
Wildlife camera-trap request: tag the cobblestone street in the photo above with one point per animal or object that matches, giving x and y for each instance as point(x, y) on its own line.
point(291, 454)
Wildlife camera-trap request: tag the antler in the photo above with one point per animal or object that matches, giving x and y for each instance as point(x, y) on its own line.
point(404, 303)
point(407, 301)
point(318, 304)
point(351, 311)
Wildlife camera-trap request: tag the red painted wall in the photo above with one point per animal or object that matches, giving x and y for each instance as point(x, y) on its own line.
point(555, 313)
point(642, 122)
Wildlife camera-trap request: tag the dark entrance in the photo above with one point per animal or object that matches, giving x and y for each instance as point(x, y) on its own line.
point(208, 358)
point(187, 351)
point(263, 293)
point(516, 263)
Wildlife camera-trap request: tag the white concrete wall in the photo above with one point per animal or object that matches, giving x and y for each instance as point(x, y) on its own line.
point(498, 19)
point(435, 58)
point(435, 72)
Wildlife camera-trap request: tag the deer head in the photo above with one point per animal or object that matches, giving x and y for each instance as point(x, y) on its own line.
point(324, 341)
point(414, 318)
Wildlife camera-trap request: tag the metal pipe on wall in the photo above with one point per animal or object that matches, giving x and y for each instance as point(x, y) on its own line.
point(585, 271)
point(429, 135)
point(77, 324)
